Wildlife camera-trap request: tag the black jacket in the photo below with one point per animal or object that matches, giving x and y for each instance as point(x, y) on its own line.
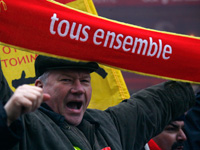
point(5, 91)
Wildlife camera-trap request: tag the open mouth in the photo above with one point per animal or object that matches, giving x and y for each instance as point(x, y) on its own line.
point(74, 105)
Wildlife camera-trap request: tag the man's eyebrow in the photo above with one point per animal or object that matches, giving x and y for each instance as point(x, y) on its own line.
point(174, 125)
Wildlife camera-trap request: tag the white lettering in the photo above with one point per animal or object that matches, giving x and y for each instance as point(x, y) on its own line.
point(127, 41)
point(119, 42)
point(148, 48)
point(53, 20)
point(76, 31)
point(85, 34)
point(66, 28)
point(72, 36)
point(112, 34)
point(96, 35)
point(151, 44)
point(160, 49)
point(140, 46)
point(167, 50)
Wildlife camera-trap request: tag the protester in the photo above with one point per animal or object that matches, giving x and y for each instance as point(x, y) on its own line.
point(5, 91)
point(171, 138)
point(192, 126)
point(64, 122)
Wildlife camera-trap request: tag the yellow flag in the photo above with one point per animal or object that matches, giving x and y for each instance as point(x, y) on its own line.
point(18, 68)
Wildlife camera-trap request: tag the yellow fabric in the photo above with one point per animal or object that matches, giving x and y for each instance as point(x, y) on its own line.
point(106, 92)
point(14, 62)
point(84, 5)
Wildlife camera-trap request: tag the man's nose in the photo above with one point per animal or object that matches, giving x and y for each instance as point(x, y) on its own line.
point(181, 135)
point(77, 87)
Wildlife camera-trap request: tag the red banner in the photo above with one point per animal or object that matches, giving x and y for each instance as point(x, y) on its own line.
point(49, 28)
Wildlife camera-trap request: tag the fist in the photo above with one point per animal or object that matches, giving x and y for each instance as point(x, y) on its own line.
point(25, 99)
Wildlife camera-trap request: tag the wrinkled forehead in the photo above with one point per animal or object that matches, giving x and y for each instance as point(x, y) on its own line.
point(74, 70)
point(71, 72)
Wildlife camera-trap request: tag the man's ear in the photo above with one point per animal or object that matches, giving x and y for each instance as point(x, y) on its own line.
point(38, 83)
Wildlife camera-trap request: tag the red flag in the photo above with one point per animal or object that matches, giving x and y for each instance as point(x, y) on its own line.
point(46, 27)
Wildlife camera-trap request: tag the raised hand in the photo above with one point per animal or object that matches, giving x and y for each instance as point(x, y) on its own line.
point(25, 99)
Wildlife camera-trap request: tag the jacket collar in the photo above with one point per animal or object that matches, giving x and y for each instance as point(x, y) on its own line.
point(57, 118)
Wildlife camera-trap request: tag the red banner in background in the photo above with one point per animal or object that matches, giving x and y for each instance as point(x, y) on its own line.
point(49, 28)
point(145, 2)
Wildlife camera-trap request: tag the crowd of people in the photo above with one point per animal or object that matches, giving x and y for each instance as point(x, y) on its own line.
point(53, 114)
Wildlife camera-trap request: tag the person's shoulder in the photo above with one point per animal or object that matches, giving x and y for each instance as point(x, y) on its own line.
point(96, 115)
point(94, 112)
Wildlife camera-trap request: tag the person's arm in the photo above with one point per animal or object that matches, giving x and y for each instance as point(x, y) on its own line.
point(150, 110)
point(13, 133)
point(25, 99)
point(5, 91)
point(9, 136)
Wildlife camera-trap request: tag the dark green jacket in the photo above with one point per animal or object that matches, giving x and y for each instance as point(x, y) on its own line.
point(127, 126)
point(5, 91)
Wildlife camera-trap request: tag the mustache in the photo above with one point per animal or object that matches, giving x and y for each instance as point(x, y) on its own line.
point(177, 144)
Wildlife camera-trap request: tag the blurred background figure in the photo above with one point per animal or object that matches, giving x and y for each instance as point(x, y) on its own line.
point(192, 126)
point(171, 138)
